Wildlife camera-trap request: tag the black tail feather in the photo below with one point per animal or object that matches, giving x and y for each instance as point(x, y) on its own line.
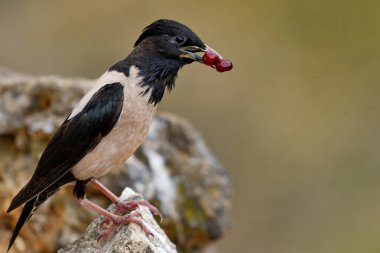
point(20, 199)
point(29, 208)
point(32, 205)
point(26, 213)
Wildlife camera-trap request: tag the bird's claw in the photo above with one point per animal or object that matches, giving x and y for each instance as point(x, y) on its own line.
point(121, 207)
point(133, 217)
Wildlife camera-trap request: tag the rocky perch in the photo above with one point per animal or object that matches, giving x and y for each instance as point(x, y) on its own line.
point(173, 169)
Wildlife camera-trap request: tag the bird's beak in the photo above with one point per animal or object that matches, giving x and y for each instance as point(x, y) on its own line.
point(190, 52)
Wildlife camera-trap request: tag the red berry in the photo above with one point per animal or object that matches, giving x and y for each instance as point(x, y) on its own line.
point(210, 58)
point(224, 65)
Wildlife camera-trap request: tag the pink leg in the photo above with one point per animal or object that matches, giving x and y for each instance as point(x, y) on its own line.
point(122, 206)
point(100, 210)
point(105, 191)
point(116, 219)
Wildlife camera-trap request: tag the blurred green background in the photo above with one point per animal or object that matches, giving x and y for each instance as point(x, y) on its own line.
point(296, 122)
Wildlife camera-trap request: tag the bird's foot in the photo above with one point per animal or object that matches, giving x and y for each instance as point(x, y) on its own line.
point(123, 207)
point(115, 221)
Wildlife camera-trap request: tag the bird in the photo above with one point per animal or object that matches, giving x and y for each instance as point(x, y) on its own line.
point(110, 122)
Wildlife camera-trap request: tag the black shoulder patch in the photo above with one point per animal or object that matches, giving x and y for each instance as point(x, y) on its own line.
point(104, 108)
point(122, 67)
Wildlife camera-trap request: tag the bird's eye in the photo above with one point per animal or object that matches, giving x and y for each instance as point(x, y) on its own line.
point(179, 39)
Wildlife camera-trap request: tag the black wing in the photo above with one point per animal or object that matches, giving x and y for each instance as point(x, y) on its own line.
point(74, 139)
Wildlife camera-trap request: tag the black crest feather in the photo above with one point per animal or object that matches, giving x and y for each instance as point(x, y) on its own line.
point(168, 27)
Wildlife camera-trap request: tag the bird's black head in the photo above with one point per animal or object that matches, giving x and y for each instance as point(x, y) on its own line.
point(161, 50)
point(171, 41)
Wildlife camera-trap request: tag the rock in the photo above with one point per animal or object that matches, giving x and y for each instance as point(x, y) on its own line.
point(127, 239)
point(173, 169)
